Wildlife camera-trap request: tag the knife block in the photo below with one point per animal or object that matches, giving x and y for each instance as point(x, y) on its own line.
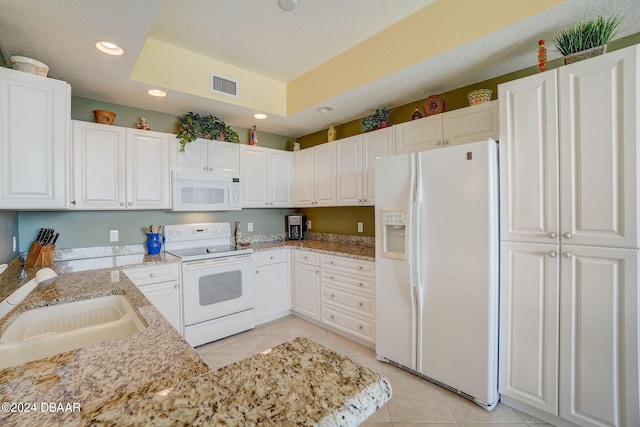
point(40, 256)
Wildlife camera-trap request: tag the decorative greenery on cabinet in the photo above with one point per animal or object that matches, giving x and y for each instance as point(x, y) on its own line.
point(193, 126)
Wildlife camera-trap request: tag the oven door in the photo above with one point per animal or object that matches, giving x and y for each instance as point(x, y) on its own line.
point(217, 287)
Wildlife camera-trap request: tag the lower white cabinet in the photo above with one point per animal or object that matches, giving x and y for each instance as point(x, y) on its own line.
point(306, 288)
point(569, 333)
point(161, 286)
point(348, 295)
point(273, 295)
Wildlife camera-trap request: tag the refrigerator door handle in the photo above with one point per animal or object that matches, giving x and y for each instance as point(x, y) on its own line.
point(418, 259)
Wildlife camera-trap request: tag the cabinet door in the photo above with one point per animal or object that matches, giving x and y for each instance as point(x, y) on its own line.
point(281, 178)
point(418, 135)
point(148, 177)
point(165, 297)
point(529, 159)
point(529, 299)
point(273, 298)
point(599, 336)
point(34, 141)
point(471, 124)
point(254, 177)
point(306, 290)
point(349, 170)
point(375, 144)
point(194, 158)
point(304, 178)
point(325, 174)
point(224, 158)
point(599, 155)
point(98, 166)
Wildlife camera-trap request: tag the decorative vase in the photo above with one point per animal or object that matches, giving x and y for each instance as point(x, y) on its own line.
point(585, 54)
point(154, 244)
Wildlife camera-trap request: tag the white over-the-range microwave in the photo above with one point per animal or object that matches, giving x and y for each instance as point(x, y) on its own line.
point(195, 191)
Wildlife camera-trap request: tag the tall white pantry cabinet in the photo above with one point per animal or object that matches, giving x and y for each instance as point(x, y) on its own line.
point(569, 230)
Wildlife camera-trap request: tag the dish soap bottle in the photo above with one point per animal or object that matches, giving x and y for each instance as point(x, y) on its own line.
point(238, 233)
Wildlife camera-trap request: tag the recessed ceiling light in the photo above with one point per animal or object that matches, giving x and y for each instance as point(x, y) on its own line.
point(157, 92)
point(288, 4)
point(325, 109)
point(109, 48)
point(260, 116)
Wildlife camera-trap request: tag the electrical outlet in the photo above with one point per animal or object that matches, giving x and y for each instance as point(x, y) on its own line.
point(113, 235)
point(115, 276)
point(360, 227)
point(249, 226)
point(309, 225)
point(15, 244)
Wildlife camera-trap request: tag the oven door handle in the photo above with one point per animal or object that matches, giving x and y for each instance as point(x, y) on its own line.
point(214, 262)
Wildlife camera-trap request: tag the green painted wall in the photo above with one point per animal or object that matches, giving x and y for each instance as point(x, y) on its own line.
point(342, 220)
point(79, 229)
point(82, 109)
point(3, 62)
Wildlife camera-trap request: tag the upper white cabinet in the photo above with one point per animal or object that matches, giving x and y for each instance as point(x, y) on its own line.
point(569, 210)
point(355, 166)
point(315, 176)
point(34, 141)
point(206, 155)
point(118, 168)
point(470, 124)
point(266, 176)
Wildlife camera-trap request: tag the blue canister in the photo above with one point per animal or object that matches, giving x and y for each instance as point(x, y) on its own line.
point(154, 244)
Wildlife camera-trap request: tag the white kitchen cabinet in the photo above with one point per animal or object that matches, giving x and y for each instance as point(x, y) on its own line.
point(569, 172)
point(160, 285)
point(355, 167)
point(118, 168)
point(273, 286)
point(206, 155)
point(306, 284)
point(315, 176)
point(470, 124)
point(34, 141)
point(266, 176)
point(529, 316)
point(348, 296)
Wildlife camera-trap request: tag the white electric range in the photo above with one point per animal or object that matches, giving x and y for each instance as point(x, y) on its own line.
point(218, 281)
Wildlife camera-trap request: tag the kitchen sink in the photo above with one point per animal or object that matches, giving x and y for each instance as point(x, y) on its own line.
point(46, 331)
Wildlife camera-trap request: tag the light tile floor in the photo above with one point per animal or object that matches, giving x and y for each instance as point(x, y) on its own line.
point(415, 402)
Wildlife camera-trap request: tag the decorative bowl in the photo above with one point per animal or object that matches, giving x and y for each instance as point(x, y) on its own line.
point(29, 65)
point(105, 117)
point(479, 96)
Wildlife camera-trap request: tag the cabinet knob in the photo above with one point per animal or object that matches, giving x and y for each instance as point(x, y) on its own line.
point(271, 203)
point(130, 204)
point(446, 141)
point(152, 275)
point(552, 254)
point(438, 142)
point(332, 296)
point(331, 262)
point(359, 267)
point(360, 284)
point(206, 168)
point(359, 327)
point(266, 203)
point(121, 203)
point(305, 257)
point(73, 202)
point(360, 304)
point(211, 169)
point(330, 277)
point(331, 316)
point(175, 286)
point(567, 235)
point(567, 254)
point(272, 257)
point(552, 235)
point(257, 271)
point(317, 271)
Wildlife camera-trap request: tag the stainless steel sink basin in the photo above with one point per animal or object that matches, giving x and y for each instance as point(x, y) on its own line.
point(54, 329)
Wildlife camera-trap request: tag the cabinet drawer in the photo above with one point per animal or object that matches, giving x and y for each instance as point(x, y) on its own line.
point(347, 281)
point(270, 257)
point(356, 325)
point(152, 274)
point(349, 265)
point(356, 303)
point(307, 257)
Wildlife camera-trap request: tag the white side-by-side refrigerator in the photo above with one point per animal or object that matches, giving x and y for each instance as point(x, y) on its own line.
point(437, 266)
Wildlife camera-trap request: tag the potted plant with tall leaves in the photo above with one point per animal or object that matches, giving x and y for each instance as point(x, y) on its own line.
point(192, 126)
point(587, 39)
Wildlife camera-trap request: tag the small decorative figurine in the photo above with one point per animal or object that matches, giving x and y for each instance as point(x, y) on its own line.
point(143, 124)
point(542, 57)
point(416, 114)
point(331, 134)
point(254, 136)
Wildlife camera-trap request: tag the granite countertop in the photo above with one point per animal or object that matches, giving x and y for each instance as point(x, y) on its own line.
point(347, 249)
point(154, 376)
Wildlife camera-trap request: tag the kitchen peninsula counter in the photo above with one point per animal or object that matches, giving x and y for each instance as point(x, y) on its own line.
point(346, 249)
point(154, 376)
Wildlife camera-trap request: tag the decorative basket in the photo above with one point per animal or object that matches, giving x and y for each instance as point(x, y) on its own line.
point(105, 117)
point(479, 96)
point(29, 65)
point(585, 54)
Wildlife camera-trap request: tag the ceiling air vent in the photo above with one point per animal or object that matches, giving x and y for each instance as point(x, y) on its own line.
point(224, 85)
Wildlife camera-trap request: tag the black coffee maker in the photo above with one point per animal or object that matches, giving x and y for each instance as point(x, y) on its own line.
point(295, 226)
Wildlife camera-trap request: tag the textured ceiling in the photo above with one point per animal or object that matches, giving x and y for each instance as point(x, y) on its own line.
point(257, 36)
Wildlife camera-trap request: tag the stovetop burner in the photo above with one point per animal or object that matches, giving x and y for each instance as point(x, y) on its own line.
point(222, 250)
point(201, 241)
